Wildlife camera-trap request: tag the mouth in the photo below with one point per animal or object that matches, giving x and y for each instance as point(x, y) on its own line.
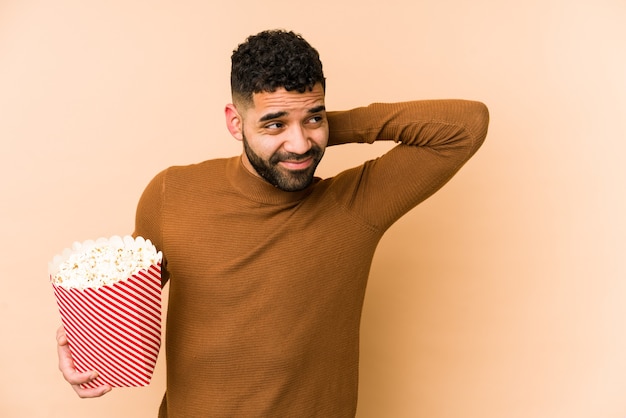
point(297, 164)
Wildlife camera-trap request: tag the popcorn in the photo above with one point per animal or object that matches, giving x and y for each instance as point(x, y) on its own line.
point(109, 296)
point(93, 264)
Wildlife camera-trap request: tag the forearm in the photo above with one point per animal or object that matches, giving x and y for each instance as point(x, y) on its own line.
point(429, 123)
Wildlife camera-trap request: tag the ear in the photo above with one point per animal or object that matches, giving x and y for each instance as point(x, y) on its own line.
point(234, 121)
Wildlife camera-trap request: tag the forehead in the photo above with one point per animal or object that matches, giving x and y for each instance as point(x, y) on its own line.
point(282, 100)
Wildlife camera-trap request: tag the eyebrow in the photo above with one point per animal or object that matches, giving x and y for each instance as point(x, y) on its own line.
point(270, 116)
point(317, 109)
point(276, 115)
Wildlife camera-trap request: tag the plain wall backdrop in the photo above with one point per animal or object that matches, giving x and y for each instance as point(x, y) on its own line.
point(503, 295)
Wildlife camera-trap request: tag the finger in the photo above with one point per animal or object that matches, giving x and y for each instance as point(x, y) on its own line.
point(76, 379)
point(61, 337)
point(66, 363)
point(66, 366)
point(91, 392)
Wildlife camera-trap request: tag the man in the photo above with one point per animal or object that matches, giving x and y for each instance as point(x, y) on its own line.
point(267, 264)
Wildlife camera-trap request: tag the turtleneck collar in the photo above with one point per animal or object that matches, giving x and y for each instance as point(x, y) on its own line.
point(257, 189)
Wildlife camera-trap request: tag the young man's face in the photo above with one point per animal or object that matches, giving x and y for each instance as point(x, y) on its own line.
point(284, 134)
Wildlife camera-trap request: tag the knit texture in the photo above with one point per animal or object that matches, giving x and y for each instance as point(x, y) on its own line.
point(266, 286)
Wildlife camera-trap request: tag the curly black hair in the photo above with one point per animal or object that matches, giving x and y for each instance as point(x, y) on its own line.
point(273, 59)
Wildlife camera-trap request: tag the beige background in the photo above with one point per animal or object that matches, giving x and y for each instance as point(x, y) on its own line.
point(501, 296)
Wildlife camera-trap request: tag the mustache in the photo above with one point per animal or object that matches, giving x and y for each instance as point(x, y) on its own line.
point(314, 152)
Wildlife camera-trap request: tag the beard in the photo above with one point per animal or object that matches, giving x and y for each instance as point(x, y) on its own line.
point(277, 176)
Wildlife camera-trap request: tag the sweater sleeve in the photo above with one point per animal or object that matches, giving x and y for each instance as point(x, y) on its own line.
point(435, 138)
point(148, 218)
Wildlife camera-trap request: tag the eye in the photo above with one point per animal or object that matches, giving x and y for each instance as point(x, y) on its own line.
point(315, 119)
point(274, 125)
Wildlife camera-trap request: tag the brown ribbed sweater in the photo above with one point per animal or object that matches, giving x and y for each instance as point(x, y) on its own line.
point(267, 286)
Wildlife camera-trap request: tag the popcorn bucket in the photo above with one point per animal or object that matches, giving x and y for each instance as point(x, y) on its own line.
point(112, 328)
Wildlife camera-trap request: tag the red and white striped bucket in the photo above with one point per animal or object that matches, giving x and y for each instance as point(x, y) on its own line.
point(115, 329)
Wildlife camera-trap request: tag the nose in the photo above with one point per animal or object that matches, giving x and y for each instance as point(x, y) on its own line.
point(297, 141)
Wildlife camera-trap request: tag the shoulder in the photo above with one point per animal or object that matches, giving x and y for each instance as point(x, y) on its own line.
point(186, 178)
point(193, 171)
point(193, 174)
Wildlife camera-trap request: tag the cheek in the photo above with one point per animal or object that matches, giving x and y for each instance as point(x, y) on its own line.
point(265, 147)
point(320, 137)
